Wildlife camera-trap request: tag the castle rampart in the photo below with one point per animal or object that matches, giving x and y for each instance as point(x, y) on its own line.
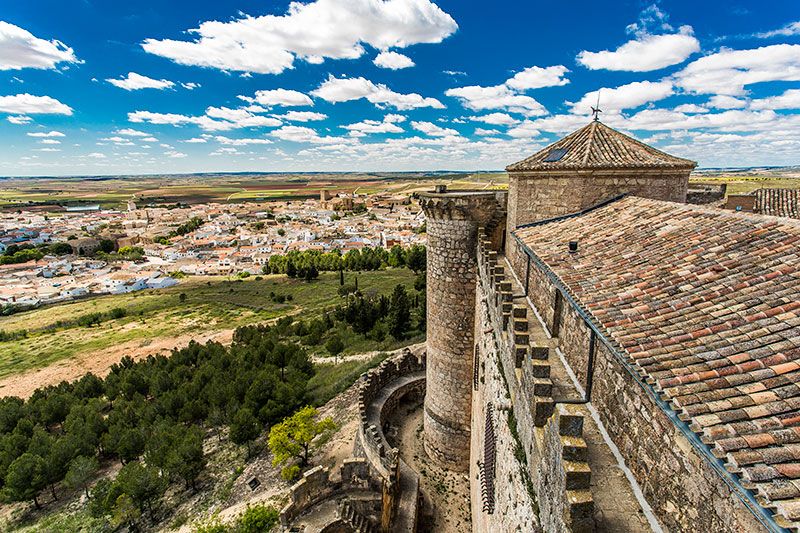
point(540, 457)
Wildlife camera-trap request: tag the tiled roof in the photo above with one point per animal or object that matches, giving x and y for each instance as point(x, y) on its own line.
point(778, 202)
point(597, 146)
point(706, 303)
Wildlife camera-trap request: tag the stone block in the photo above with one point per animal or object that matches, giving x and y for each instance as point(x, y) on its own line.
point(570, 421)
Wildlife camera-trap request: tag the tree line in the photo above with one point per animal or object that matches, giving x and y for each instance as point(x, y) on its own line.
point(296, 263)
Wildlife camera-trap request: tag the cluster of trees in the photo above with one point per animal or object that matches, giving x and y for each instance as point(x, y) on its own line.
point(150, 415)
point(184, 229)
point(22, 253)
point(297, 264)
point(376, 316)
point(127, 253)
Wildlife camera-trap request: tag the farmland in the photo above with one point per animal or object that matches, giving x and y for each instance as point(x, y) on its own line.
point(56, 347)
point(51, 194)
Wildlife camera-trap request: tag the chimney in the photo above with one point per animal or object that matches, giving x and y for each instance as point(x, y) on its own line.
point(573, 246)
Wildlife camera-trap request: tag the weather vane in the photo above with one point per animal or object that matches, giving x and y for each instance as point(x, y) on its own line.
point(596, 108)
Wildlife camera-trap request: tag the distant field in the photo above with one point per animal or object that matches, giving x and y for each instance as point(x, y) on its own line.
point(113, 192)
point(747, 183)
point(211, 304)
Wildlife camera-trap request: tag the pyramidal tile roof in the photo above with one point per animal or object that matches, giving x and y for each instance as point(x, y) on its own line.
point(597, 146)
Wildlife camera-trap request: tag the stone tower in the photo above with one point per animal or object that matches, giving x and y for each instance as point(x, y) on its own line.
point(453, 219)
point(588, 166)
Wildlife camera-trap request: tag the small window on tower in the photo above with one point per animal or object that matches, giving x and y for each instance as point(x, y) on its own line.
point(555, 155)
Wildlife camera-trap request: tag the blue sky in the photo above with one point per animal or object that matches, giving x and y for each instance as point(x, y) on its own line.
point(91, 87)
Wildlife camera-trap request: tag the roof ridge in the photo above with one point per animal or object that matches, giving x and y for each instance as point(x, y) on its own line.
point(590, 143)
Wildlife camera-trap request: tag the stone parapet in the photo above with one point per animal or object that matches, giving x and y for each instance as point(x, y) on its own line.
point(565, 498)
point(382, 389)
point(530, 357)
point(521, 353)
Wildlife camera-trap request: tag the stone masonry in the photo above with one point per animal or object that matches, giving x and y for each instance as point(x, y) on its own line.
point(452, 220)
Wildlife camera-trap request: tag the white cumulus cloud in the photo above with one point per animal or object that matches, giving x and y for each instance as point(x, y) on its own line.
point(537, 77)
point(721, 101)
point(281, 97)
point(215, 119)
point(336, 90)
point(19, 119)
point(788, 100)
point(20, 49)
point(45, 134)
point(429, 128)
point(132, 133)
point(301, 134)
point(335, 29)
point(387, 125)
point(730, 71)
point(393, 60)
point(644, 53)
point(497, 119)
point(786, 31)
point(691, 108)
point(626, 96)
point(302, 116)
point(135, 82)
point(480, 98)
point(240, 142)
point(28, 104)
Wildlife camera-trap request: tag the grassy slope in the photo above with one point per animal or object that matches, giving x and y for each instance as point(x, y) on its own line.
point(211, 304)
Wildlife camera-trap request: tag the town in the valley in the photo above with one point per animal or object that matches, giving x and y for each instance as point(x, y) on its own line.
point(113, 251)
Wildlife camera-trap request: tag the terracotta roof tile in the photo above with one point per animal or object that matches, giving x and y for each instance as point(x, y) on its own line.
point(706, 303)
point(597, 146)
point(778, 202)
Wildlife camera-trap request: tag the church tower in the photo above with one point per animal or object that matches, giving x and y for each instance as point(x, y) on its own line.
point(588, 166)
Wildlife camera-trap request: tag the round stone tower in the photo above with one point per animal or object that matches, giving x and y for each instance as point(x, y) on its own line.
point(453, 219)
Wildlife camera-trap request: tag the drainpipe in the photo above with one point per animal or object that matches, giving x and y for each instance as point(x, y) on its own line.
point(527, 273)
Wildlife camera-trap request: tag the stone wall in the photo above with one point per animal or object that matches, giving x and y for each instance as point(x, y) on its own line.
point(382, 390)
point(514, 374)
point(370, 441)
point(535, 196)
point(452, 226)
point(683, 489)
point(313, 487)
point(564, 483)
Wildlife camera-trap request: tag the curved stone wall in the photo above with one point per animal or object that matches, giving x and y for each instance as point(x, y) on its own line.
point(382, 390)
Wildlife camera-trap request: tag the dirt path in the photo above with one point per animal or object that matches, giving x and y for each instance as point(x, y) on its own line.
point(99, 362)
point(445, 494)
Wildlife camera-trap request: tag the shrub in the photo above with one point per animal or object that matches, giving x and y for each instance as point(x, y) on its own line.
point(257, 519)
point(290, 473)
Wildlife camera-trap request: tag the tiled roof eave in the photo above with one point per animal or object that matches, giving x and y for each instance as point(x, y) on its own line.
point(689, 165)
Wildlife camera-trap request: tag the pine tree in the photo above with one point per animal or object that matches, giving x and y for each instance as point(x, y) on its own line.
point(399, 319)
point(26, 478)
point(244, 428)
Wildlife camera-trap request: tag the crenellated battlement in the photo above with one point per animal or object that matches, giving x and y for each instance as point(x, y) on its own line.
point(550, 465)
